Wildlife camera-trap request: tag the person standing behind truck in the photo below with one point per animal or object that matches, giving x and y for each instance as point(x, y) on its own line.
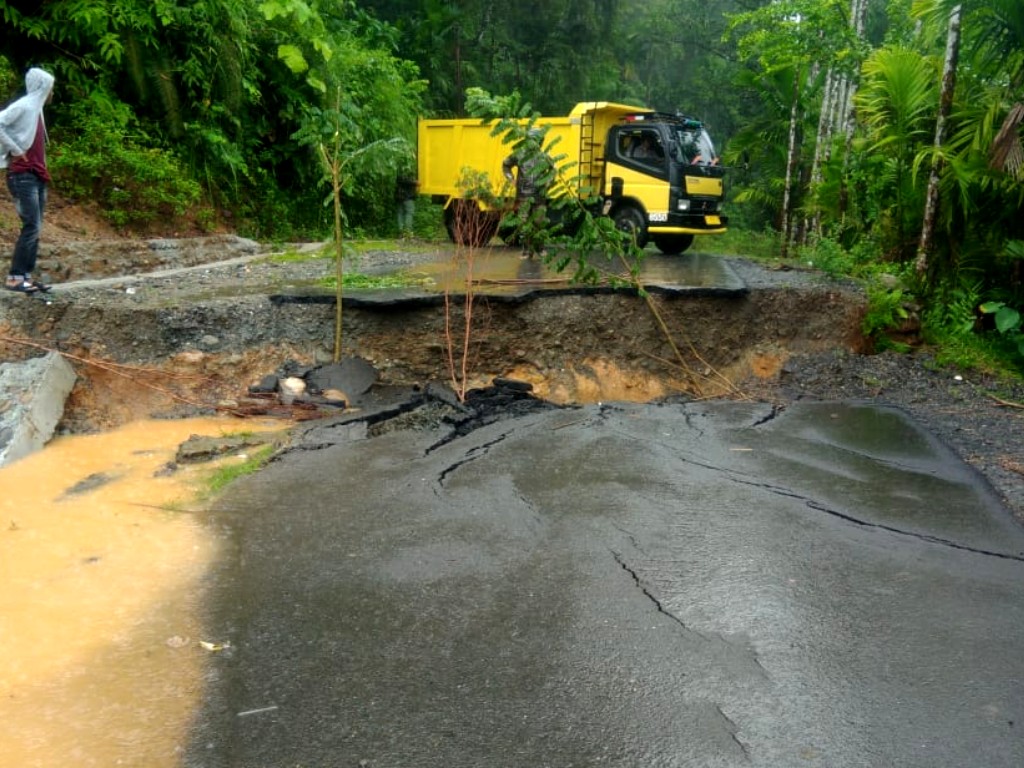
point(531, 204)
point(406, 187)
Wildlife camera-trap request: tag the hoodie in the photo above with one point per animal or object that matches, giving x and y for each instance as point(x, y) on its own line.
point(19, 122)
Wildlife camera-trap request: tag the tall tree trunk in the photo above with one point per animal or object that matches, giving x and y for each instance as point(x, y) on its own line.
point(931, 204)
point(791, 155)
point(460, 96)
point(821, 143)
point(848, 117)
point(836, 113)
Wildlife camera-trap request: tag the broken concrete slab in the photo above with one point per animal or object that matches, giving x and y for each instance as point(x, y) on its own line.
point(32, 397)
point(202, 448)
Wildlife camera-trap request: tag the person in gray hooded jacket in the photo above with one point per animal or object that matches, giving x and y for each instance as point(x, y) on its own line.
point(23, 154)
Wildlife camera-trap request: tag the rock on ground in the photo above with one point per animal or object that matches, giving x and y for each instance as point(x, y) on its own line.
point(32, 396)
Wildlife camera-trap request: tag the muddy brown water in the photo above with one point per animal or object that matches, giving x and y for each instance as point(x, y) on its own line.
point(99, 633)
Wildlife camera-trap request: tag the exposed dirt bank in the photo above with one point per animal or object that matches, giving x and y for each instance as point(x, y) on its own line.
point(225, 324)
point(205, 335)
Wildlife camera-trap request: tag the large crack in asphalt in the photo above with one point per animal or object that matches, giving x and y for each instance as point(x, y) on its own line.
point(650, 596)
point(474, 453)
point(747, 654)
point(846, 517)
point(817, 506)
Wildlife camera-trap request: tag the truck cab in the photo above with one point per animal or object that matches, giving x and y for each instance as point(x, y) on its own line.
point(662, 180)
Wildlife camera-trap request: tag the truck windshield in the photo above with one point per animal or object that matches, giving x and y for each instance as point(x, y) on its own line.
point(695, 146)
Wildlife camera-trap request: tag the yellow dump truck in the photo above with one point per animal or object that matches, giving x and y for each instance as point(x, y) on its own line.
point(655, 174)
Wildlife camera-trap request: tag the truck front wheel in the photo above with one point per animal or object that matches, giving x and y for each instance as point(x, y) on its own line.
point(468, 225)
point(630, 219)
point(672, 245)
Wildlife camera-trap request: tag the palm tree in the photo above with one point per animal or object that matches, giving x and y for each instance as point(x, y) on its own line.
point(1000, 44)
point(896, 103)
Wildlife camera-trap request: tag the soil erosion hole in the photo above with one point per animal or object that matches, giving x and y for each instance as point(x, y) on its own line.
point(571, 348)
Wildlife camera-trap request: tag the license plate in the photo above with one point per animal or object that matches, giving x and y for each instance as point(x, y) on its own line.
point(713, 221)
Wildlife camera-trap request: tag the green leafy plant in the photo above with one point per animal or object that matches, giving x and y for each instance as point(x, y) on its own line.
point(952, 312)
point(1008, 322)
point(951, 322)
point(575, 235)
point(829, 256)
point(886, 311)
point(336, 153)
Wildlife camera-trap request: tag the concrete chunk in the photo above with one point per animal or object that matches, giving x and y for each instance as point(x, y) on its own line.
point(32, 396)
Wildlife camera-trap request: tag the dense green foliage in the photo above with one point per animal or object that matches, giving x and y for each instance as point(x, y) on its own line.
point(103, 158)
point(827, 112)
point(228, 89)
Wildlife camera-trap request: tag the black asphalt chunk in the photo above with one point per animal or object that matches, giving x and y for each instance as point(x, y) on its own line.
point(352, 375)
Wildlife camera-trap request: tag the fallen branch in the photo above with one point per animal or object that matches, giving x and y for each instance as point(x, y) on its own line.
point(522, 281)
point(1006, 403)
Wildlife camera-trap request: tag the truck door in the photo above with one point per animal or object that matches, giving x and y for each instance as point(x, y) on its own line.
point(637, 175)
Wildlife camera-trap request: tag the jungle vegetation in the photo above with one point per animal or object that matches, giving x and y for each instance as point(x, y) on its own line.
point(864, 136)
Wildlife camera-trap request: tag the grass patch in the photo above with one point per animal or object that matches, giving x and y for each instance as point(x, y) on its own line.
point(354, 250)
point(986, 353)
point(762, 246)
point(298, 257)
point(227, 473)
point(356, 281)
point(405, 245)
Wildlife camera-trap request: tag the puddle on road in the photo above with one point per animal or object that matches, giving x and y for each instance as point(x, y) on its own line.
point(99, 632)
point(501, 271)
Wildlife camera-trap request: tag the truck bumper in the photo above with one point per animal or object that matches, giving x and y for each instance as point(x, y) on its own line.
point(690, 224)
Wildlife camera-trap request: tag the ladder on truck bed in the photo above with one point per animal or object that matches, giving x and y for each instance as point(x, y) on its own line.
point(589, 170)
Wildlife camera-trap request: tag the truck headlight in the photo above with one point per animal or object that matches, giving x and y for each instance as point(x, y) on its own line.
point(684, 205)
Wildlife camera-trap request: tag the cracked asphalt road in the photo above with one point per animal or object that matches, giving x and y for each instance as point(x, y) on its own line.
point(715, 584)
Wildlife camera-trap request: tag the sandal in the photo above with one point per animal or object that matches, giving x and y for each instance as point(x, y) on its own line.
point(21, 285)
point(43, 287)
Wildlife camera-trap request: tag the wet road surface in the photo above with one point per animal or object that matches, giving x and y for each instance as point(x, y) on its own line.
point(621, 585)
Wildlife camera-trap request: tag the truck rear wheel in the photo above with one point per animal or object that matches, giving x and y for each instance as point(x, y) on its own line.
point(631, 220)
point(672, 245)
point(468, 225)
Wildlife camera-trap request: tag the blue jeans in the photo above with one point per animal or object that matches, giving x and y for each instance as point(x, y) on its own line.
point(29, 193)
